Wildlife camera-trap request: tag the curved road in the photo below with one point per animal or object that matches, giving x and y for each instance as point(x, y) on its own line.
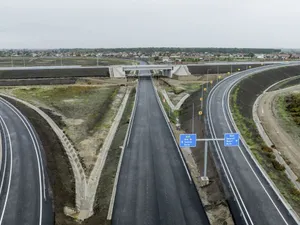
point(153, 187)
point(253, 201)
point(24, 192)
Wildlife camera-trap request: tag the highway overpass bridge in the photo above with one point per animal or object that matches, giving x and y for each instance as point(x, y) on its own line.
point(164, 70)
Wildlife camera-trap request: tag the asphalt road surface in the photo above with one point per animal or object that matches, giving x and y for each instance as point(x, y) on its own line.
point(24, 192)
point(255, 201)
point(153, 187)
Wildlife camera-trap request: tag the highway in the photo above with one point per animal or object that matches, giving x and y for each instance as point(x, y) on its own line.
point(153, 187)
point(253, 201)
point(24, 187)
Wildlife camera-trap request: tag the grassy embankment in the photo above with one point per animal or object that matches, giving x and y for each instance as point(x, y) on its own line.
point(174, 89)
point(291, 105)
point(264, 154)
point(85, 113)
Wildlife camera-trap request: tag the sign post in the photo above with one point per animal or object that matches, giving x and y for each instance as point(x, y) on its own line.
point(190, 141)
point(231, 139)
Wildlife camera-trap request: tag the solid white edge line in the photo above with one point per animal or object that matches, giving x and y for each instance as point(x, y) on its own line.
point(36, 143)
point(39, 166)
point(116, 181)
point(225, 115)
point(133, 113)
point(5, 158)
point(10, 172)
point(171, 131)
point(272, 185)
point(225, 168)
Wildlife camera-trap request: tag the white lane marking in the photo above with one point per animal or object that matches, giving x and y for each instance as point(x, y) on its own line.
point(223, 107)
point(226, 169)
point(10, 170)
point(5, 158)
point(37, 157)
point(36, 143)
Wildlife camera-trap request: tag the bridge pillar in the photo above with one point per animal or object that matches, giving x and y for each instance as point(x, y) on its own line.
point(117, 71)
point(167, 73)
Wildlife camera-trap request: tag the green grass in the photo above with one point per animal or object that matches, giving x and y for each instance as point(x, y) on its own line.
point(263, 154)
point(192, 87)
point(89, 104)
point(171, 114)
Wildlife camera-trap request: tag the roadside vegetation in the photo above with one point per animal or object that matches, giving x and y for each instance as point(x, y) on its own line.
point(107, 178)
point(292, 106)
point(84, 112)
point(263, 153)
point(172, 114)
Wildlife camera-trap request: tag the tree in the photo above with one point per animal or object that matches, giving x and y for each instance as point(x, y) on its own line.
point(251, 54)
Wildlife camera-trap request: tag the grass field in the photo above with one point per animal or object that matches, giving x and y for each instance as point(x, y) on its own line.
point(84, 112)
point(56, 61)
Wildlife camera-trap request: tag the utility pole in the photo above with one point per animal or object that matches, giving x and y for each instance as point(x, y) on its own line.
point(193, 118)
point(202, 97)
point(97, 61)
point(205, 159)
point(12, 62)
point(207, 79)
point(23, 59)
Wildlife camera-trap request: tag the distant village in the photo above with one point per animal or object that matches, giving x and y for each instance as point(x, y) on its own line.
point(155, 56)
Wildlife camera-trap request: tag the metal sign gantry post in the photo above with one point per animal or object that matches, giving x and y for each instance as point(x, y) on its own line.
point(190, 141)
point(205, 177)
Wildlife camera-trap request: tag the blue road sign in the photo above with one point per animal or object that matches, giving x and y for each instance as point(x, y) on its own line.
point(231, 139)
point(187, 140)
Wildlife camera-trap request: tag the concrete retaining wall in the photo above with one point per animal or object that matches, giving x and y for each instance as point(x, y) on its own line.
point(54, 73)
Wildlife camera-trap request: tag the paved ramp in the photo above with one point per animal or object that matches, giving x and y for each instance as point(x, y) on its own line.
point(153, 187)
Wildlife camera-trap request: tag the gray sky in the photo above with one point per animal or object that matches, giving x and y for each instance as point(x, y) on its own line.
point(146, 23)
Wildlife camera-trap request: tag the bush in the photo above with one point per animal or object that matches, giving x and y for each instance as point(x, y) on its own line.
point(277, 165)
point(178, 90)
point(295, 191)
point(266, 148)
point(270, 155)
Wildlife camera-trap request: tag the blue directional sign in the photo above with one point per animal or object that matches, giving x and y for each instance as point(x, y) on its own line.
point(187, 140)
point(231, 139)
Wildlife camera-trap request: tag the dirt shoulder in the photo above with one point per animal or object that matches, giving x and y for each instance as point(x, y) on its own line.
point(280, 127)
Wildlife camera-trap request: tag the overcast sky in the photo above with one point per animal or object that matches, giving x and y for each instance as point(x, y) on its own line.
point(146, 23)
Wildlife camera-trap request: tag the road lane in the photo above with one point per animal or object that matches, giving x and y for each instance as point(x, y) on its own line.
point(24, 197)
point(153, 186)
point(258, 201)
